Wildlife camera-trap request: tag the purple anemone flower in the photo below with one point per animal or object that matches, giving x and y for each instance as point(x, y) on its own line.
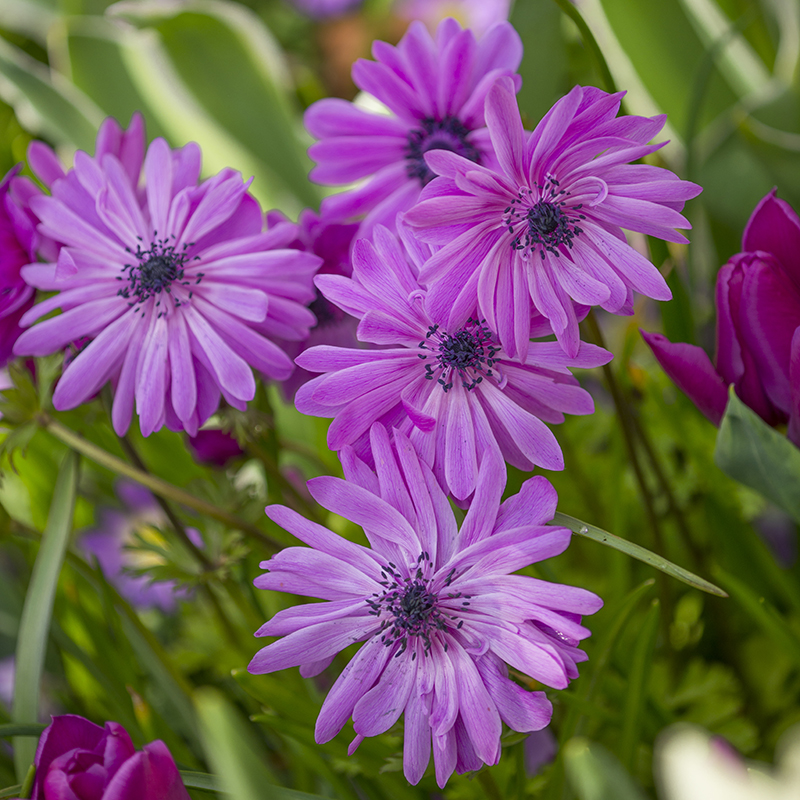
point(17, 238)
point(331, 241)
point(477, 15)
point(434, 90)
point(545, 228)
point(437, 608)
point(758, 326)
point(175, 286)
point(112, 544)
point(453, 391)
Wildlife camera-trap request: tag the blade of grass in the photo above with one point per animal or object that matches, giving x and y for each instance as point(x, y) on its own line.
point(637, 686)
point(14, 729)
point(38, 609)
point(761, 612)
point(636, 551)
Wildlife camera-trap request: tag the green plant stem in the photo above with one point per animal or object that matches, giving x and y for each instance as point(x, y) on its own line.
point(156, 485)
point(487, 781)
point(588, 38)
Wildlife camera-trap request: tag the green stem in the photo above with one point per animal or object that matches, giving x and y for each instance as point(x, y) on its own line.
point(588, 38)
point(487, 781)
point(156, 485)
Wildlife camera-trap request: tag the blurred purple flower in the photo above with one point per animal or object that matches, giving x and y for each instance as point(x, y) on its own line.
point(17, 237)
point(437, 608)
point(113, 544)
point(216, 447)
point(331, 241)
point(78, 760)
point(545, 228)
point(434, 90)
point(758, 319)
point(174, 284)
point(477, 15)
point(453, 391)
point(540, 749)
point(319, 9)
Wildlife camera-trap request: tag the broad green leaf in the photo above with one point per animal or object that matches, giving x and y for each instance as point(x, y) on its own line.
point(595, 774)
point(232, 751)
point(38, 608)
point(29, 18)
point(228, 61)
point(751, 452)
point(762, 613)
point(635, 551)
point(45, 102)
point(636, 694)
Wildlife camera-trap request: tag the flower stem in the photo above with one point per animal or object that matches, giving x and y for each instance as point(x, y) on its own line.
point(591, 43)
point(156, 485)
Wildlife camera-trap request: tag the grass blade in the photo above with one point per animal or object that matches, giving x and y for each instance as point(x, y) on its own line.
point(38, 609)
point(636, 551)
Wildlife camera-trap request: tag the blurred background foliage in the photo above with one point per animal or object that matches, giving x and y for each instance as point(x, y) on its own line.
point(235, 77)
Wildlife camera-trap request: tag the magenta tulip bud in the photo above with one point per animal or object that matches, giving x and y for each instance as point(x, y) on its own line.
point(758, 315)
point(78, 760)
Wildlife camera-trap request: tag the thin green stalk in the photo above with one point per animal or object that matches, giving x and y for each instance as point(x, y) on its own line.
point(487, 781)
point(156, 485)
point(588, 38)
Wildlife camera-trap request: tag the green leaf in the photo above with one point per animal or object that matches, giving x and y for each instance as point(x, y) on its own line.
point(38, 608)
point(45, 102)
point(636, 551)
point(200, 780)
point(595, 774)
point(11, 791)
point(636, 695)
point(762, 613)
point(751, 452)
point(231, 66)
point(232, 751)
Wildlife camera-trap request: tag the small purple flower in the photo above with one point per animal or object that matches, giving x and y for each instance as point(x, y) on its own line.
point(453, 391)
point(320, 9)
point(112, 543)
point(477, 15)
point(175, 286)
point(544, 230)
point(437, 608)
point(17, 237)
point(434, 90)
point(213, 446)
point(758, 319)
point(78, 760)
point(331, 241)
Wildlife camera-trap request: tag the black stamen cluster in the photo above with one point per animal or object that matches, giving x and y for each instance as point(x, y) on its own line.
point(467, 352)
point(549, 222)
point(155, 270)
point(437, 134)
point(412, 606)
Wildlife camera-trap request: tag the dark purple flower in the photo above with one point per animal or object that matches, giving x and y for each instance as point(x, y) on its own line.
point(434, 90)
point(758, 317)
point(17, 238)
point(437, 608)
point(544, 230)
point(453, 391)
point(78, 760)
point(331, 241)
point(320, 9)
point(174, 284)
point(113, 544)
point(215, 447)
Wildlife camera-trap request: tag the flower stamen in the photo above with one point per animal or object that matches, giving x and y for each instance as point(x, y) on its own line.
point(445, 134)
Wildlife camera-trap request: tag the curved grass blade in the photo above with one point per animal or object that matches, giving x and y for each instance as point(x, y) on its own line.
point(200, 780)
point(38, 609)
point(636, 697)
point(636, 551)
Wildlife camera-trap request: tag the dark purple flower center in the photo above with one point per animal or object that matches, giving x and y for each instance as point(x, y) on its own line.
point(546, 224)
point(437, 134)
point(156, 270)
point(469, 353)
point(325, 312)
point(411, 609)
